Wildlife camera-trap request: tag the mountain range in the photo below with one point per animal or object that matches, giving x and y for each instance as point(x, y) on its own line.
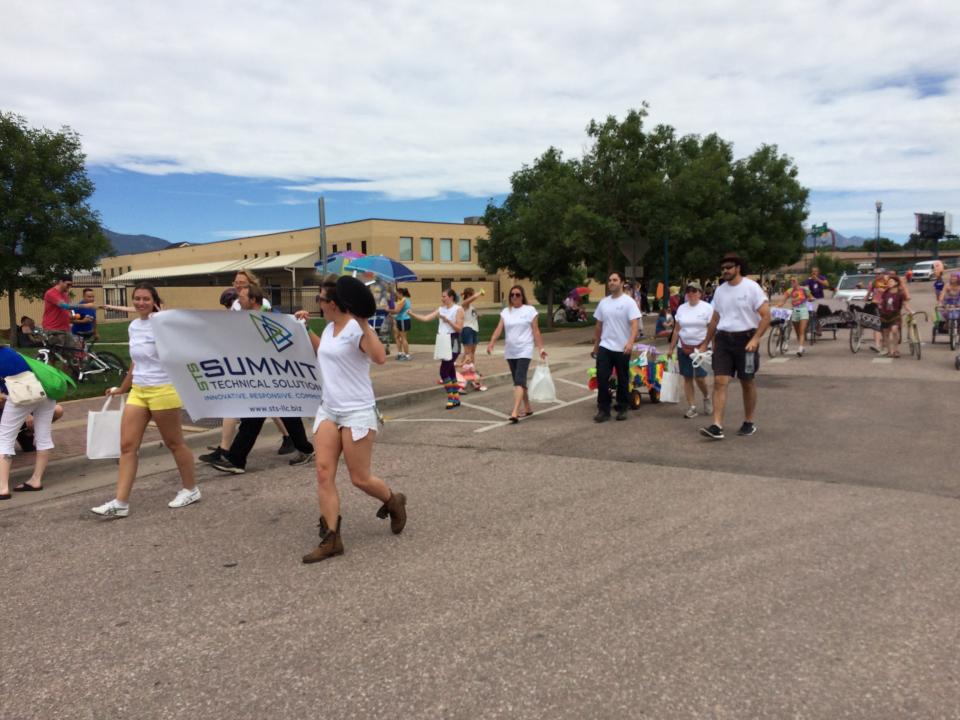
point(125, 244)
point(842, 241)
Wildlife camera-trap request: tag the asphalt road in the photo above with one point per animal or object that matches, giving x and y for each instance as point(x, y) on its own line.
point(552, 569)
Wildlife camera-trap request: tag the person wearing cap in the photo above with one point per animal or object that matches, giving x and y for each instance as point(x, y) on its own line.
point(689, 331)
point(234, 460)
point(347, 420)
point(741, 315)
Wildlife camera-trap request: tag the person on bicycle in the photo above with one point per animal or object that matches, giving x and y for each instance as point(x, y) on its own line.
point(892, 303)
point(798, 296)
point(950, 295)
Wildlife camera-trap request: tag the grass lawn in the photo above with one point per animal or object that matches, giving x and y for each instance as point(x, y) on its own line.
point(116, 332)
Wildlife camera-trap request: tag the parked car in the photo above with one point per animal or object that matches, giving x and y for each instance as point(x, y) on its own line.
point(923, 270)
point(852, 288)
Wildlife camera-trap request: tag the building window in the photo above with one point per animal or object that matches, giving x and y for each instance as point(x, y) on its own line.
point(256, 255)
point(363, 246)
point(129, 269)
point(406, 248)
point(446, 249)
point(244, 256)
point(333, 248)
point(278, 253)
point(464, 250)
point(349, 246)
point(426, 249)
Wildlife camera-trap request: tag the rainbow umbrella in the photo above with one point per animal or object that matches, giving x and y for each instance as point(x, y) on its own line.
point(336, 261)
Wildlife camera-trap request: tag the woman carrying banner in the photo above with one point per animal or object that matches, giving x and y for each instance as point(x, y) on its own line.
point(152, 396)
point(451, 323)
point(347, 421)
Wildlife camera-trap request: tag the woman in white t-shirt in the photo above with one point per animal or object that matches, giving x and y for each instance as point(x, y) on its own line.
point(519, 321)
point(690, 333)
point(451, 323)
point(152, 397)
point(347, 421)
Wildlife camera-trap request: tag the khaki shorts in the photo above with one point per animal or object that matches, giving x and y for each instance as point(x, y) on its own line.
point(154, 397)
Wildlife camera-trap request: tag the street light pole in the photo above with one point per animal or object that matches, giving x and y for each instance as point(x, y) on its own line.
point(879, 210)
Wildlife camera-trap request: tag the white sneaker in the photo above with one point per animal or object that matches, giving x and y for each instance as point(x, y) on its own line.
point(185, 497)
point(691, 412)
point(707, 406)
point(111, 509)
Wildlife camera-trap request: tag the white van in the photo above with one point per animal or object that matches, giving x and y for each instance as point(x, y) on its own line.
point(923, 270)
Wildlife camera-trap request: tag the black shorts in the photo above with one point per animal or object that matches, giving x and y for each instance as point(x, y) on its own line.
point(403, 325)
point(730, 354)
point(519, 367)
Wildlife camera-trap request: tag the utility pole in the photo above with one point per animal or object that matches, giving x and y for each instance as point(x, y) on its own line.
point(879, 210)
point(323, 234)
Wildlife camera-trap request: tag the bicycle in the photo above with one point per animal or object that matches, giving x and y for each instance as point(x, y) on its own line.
point(861, 320)
point(951, 316)
point(81, 362)
point(779, 338)
point(913, 332)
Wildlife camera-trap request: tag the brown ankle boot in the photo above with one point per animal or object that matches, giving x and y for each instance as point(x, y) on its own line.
point(330, 544)
point(396, 508)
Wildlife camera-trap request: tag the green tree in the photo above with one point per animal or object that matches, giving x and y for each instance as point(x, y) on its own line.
point(888, 245)
point(46, 224)
point(696, 216)
point(771, 207)
point(530, 234)
point(625, 172)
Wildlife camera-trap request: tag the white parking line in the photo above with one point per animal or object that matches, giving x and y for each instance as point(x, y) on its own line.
point(537, 413)
point(571, 382)
point(882, 361)
point(486, 410)
point(778, 360)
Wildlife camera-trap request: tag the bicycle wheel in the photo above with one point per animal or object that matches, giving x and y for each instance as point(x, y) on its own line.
point(785, 338)
point(773, 340)
point(953, 334)
point(915, 341)
point(115, 366)
point(856, 338)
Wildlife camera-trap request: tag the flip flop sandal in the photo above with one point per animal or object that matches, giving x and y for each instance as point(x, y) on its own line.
point(24, 487)
point(514, 419)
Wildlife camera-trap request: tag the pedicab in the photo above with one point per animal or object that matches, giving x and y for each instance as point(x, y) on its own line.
point(646, 372)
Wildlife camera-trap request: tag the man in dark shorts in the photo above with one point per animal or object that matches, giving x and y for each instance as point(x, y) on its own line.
point(741, 315)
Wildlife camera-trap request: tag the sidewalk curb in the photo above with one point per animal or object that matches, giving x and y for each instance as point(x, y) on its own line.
point(201, 439)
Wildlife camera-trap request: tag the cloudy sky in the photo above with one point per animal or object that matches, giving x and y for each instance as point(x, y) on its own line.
point(205, 120)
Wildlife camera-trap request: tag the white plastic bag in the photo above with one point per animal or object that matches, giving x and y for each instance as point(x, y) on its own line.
point(542, 389)
point(103, 431)
point(443, 347)
point(671, 386)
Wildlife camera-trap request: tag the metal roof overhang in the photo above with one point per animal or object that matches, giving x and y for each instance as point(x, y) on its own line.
point(221, 267)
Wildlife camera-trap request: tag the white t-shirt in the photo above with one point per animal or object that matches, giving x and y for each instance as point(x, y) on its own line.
point(450, 313)
point(693, 321)
point(345, 369)
point(737, 305)
point(266, 307)
point(471, 318)
point(147, 370)
point(616, 314)
point(518, 331)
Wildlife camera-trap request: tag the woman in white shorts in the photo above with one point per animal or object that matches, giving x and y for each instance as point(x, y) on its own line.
point(14, 415)
point(347, 421)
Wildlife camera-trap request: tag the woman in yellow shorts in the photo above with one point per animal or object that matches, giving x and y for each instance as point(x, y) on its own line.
point(152, 395)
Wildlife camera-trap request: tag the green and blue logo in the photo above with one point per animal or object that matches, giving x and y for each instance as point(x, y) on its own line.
point(272, 332)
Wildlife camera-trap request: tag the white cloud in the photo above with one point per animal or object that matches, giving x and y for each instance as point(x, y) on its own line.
point(421, 99)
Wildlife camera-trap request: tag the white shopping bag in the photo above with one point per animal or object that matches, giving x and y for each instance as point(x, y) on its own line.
point(671, 385)
point(443, 348)
point(542, 389)
point(103, 431)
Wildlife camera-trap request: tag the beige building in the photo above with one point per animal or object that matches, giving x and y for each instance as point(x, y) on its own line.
point(441, 254)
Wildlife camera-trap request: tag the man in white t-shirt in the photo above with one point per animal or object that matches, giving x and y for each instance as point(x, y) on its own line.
point(741, 315)
point(617, 317)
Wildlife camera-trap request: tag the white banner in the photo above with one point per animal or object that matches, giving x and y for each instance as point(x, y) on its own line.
point(238, 364)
